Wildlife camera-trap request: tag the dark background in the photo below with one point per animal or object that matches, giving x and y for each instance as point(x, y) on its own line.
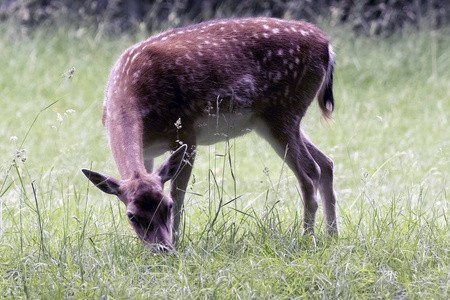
point(370, 17)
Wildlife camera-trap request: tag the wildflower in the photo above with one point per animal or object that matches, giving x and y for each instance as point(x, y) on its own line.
point(59, 117)
point(13, 138)
point(69, 74)
point(71, 71)
point(19, 152)
point(178, 124)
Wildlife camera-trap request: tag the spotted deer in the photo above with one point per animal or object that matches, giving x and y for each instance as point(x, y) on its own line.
point(209, 82)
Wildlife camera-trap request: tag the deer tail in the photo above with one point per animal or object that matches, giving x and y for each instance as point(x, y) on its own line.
point(325, 97)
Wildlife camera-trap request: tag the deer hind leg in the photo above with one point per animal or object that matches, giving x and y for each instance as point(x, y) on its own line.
point(287, 140)
point(326, 189)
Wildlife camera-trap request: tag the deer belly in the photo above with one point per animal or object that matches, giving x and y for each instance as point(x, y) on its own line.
point(223, 126)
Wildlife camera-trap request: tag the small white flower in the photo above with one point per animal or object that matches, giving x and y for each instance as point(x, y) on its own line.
point(13, 138)
point(178, 124)
point(59, 117)
point(70, 111)
point(19, 152)
point(71, 71)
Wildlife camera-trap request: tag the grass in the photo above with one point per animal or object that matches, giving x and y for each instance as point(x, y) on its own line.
point(62, 238)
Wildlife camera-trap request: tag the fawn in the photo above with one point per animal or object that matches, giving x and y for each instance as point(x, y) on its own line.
point(203, 83)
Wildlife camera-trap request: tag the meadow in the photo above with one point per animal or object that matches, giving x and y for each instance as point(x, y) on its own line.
point(61, 238)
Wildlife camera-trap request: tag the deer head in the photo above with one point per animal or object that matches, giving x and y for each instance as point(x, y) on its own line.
point(149, 210)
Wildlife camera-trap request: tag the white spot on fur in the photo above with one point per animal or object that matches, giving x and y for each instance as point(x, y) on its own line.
point(277, 76)
point(291, 51)
point(134, 56)
point(280, 52)
point(276, 30)
point(304, 32)
point(266, 27)
point(266, 35)
point(136, 76)
point(297, 60)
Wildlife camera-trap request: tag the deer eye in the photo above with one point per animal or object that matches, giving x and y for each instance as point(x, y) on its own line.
point(131, 217)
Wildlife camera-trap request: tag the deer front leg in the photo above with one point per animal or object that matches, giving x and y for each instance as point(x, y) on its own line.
point(178, 190)
point(148, 163)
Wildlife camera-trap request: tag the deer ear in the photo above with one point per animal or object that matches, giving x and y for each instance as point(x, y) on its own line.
point(105, 183)
point(170, 166)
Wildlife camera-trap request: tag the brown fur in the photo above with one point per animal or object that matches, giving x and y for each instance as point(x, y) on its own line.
point(212, 81)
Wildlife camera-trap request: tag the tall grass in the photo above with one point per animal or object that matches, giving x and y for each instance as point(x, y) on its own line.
point(242, 236)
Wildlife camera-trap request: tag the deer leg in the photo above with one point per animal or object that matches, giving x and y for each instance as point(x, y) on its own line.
point(287, 141)
point(148, 163)
point(178, 189)
point(325, 187)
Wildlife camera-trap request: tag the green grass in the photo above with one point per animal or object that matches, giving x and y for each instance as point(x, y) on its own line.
point(62, 238)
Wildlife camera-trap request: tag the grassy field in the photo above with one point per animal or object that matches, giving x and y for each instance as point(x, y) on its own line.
point(62, 238)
